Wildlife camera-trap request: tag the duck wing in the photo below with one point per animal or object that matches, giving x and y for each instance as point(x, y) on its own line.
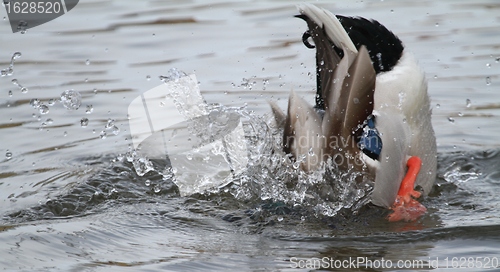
point(343, 121)
point(345, 83)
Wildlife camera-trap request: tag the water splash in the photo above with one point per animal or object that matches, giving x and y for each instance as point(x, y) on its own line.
point(141, 164)
point(22, 26)
point(460, 174)
point(35, 103)
point(248, 83)
point(43, 109)
point(23, 89)
point(89, 109)
point(8, 155)
point(270, 174)
point(173, 74)
point(84, 122)
point(488, 81)
point(468, 103)
point(71, 99)
point(10, 70)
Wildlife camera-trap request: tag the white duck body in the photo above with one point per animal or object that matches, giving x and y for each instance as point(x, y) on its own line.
point(403, 119)
point(356, 82)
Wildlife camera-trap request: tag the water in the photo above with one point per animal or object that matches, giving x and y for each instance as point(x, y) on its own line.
point(72, 200)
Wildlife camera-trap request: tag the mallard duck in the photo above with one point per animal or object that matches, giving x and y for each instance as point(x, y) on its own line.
point(372, 111)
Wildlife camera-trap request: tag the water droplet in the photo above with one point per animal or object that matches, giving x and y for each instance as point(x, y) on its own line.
point(451, 119)
point(437, 24)
point(10, 93)
point(87, 62)
point(460, 114)
point(71, 99)
point(103, 134)
point(173, 74)
point(44, 109)
point(468, 103)
point(89, 109)
point(8, 155)
point(65, 134)
point(147, 182)
point(280, 218)
point(115, 130)
point(49, 121)
point(22, 26)
point(16, 55)
point(148, 77)
point(356, 101)
point(488, 65)
point(488, 81)
point(35, 103)
point(51, 102)
point(84, 122)
point(157, 188)
point(438, 106)
point(109, 124)
point(24, 90)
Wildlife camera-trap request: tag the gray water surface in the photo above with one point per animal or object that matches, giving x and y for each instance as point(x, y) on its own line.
point(69, 202)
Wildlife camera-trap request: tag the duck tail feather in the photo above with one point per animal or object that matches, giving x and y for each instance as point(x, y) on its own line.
point(302, 136)
point(279, 115)
point(329, 22)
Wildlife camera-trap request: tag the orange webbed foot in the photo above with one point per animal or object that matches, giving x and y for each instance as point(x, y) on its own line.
point(405, 206)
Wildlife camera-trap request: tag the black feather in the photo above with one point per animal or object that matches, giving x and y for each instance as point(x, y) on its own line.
point(385, 48)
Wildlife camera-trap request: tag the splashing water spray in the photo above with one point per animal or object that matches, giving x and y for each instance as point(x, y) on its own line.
point(203, 147)
point(209, 148)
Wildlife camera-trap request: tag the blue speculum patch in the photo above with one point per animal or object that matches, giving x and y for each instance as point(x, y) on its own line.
point(370, 142)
